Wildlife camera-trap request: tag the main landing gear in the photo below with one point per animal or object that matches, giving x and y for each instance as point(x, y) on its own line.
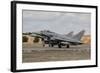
point(60, 46)
point(67, 46)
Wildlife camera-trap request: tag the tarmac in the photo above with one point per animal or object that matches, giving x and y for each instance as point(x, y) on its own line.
point(43, 54)
point(74, 48)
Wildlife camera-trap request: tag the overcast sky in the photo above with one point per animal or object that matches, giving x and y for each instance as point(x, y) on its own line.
point(60, 22)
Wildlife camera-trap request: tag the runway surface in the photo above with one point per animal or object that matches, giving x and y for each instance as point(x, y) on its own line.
point(36, 54)
point(80, 47)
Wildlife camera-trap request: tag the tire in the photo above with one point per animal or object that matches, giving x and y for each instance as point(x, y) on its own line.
point(52, 45)
point(68, 46)
point(59, 45)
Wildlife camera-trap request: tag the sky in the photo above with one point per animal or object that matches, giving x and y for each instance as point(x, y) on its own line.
point(59, 22)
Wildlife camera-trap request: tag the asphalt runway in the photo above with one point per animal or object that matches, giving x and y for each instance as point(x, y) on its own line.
point(80, 52)
point(79, 47)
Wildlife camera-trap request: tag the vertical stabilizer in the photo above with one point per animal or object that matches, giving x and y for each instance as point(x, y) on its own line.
point(79, 35)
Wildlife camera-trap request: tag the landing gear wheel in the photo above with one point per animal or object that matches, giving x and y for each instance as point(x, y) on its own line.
point(43, 45)
point(52, 45)
point(59, 45)
point(67, 46)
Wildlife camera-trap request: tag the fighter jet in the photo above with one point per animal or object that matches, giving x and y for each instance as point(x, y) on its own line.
point(52, 38)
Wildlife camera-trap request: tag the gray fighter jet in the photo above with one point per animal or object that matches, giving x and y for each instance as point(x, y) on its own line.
point(52, 38)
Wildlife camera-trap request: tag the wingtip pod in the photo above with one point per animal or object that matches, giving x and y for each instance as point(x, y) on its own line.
point(79, 35)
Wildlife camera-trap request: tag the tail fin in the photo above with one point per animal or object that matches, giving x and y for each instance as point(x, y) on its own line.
point(70, 34)
point(79, 35)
